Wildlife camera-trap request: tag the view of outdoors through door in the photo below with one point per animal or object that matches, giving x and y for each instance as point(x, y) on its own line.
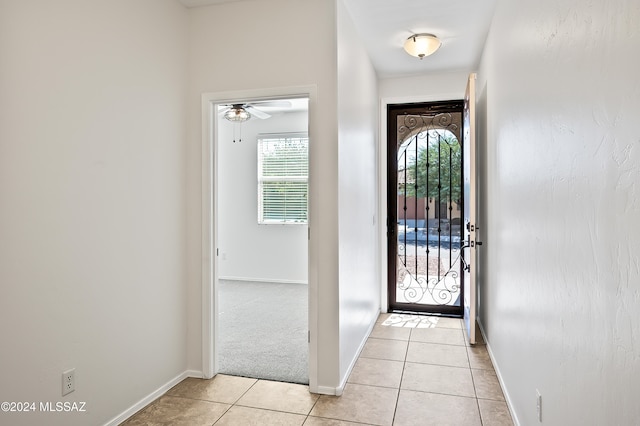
point(425, 207)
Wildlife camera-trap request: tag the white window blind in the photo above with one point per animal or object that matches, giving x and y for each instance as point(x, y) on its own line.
point(283, 169)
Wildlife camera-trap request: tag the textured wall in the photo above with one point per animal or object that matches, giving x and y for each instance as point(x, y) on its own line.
point(559, 299)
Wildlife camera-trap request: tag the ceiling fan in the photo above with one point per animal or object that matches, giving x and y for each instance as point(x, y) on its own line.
point(244, 111)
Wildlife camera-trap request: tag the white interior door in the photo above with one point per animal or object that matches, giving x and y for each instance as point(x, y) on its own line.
point(470, 209)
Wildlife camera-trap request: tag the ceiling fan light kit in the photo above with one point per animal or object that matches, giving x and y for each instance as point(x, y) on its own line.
point(421, 45)
point(237, 114)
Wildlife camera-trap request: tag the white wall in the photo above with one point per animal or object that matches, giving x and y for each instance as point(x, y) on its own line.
point(249, 251)
point(428, 87)
point(358, 192)
point(270, 50)
point(560, 295)
point(92, 223)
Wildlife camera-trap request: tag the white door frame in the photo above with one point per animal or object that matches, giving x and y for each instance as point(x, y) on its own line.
point(210, 221)
point(382, 182)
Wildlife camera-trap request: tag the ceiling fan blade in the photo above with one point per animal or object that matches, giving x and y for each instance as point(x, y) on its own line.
point(276, 104)
point(256, 112)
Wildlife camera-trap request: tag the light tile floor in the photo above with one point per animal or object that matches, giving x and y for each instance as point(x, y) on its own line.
point(413, 370)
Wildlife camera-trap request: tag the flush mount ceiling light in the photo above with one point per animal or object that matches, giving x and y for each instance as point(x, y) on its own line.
point(421, 45)
point(237, 113)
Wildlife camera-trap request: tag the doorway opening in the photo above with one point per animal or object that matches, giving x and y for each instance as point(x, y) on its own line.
point(425, 205)
point(261, 283)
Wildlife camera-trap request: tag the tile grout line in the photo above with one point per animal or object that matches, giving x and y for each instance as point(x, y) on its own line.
point(440, 343)
point(445, 394)
point(196, 399)
point(314, 406)
point(223, 414)
point(473, 382)
point(338, 420)
point(236, 401)
point(272, 410)
point(247, 391)
point(404, 365)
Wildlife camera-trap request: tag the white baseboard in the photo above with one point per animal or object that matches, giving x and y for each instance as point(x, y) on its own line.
point(343, 383)
point(263, 280)
point(326, 390)
point(505, 391)
point(152, 397)
point(195, 374)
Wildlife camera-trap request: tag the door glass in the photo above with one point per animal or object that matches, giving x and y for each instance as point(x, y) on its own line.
point(428, 208)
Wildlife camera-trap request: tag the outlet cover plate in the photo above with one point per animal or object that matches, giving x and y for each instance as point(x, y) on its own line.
point(68, 381)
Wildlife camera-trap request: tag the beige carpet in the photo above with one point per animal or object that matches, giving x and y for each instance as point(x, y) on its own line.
point(263, 330)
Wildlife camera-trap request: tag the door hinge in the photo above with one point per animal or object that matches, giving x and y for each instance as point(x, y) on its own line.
point(217, 252)
point(308, 336)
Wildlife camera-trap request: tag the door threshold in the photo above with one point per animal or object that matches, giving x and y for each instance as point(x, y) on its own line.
point(426, 314)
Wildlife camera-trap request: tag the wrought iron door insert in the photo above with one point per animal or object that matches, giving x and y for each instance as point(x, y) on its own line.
point(425, 207)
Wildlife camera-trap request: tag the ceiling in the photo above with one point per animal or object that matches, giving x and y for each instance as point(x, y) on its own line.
point(296, 105)
point(384, 25)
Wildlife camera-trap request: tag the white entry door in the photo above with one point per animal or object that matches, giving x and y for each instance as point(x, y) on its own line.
point(470, 209)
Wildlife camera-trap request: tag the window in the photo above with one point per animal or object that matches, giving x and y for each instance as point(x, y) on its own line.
point(283, 169)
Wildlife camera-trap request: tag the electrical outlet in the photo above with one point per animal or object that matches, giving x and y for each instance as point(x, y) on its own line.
point(539, 405)
point(68, 381)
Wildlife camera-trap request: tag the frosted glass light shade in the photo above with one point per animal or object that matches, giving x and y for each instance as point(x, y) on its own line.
point(237, 114)
point(421, 45)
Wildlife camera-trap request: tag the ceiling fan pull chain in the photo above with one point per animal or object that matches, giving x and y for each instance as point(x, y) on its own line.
point(237, 127)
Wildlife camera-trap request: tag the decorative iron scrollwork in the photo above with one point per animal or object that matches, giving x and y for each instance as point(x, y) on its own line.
point(429, 191)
